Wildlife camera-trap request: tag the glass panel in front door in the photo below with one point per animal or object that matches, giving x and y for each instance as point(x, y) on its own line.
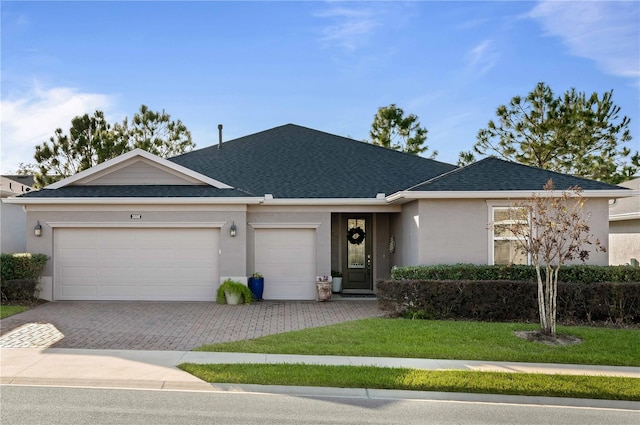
point(356, 230)
point(358, 274)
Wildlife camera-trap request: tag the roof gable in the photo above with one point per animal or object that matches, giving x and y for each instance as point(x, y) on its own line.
point(138, 167)
point(493, 174)
point(291, 161)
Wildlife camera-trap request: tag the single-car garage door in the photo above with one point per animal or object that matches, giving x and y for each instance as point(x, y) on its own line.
point(287, 259)
point(173, 264)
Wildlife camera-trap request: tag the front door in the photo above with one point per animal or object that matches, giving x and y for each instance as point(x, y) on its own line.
point(357, 261)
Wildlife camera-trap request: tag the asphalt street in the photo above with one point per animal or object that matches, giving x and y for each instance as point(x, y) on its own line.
point(70, 406)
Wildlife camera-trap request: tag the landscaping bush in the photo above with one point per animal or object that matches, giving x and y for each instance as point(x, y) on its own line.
point(570, 273)
point(19, 291)
point(509, 300)
point(19, 276)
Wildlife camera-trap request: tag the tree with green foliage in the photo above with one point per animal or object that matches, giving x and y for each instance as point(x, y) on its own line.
point(573, 134)
point(156, 133)
point(393, 130)
point(92, 140)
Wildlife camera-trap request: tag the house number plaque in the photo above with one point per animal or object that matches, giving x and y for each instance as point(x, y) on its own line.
point(136, 216)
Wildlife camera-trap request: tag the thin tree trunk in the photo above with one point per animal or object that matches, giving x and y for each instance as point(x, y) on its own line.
point(554, 301)
point(541, 301)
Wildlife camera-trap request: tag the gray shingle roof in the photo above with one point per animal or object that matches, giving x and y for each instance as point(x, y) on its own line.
point(155, 191)
point(492, 174)
point(291, 161)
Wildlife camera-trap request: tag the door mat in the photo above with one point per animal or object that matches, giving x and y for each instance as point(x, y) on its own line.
point(343, 295)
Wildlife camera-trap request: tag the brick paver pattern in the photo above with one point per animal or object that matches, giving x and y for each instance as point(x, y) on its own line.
point(169, 325)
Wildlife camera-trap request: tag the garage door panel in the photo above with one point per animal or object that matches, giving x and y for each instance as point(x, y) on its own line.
point(136, 264)
point(79, 292)
point(79, 254)
point(287, 259)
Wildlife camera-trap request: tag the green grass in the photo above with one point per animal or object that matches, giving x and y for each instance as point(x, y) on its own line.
point(600, 387)
point(10, 310)
point(378, 337)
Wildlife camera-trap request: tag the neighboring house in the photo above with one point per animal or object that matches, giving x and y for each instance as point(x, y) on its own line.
point(13, 219)
point(289, 202)
point(624, 227)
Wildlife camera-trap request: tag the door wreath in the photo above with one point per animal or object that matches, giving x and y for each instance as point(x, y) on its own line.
point(355, 235)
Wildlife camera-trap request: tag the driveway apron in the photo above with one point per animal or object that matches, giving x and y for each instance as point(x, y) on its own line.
point(168, 325)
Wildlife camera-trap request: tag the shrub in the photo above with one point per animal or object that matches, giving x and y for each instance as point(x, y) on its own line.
point(19, 291)
point(509, 300)
point(19, 276)
point(22, 266)
point(569, 273)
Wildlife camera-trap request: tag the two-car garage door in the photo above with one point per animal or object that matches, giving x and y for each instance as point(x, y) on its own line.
point(173, 264)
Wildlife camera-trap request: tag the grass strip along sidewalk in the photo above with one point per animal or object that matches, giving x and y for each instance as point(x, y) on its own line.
point(457, 340)
point(380, 337)
point(593, 387)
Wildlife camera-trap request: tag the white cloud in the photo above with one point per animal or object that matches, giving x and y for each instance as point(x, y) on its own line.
point(30, 118)
point(606, 32)
point(482, 57)
point(350, 26)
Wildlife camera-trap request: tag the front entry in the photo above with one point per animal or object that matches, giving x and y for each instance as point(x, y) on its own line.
point(357, 261)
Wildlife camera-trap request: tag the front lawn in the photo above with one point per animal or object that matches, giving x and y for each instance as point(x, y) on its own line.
point(593, 387)
point(10, 310)
point(380, 337)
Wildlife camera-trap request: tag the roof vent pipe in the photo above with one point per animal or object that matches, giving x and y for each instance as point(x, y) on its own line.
point(219, 136)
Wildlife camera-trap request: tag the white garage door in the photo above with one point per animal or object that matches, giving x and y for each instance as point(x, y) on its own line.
point(136, 264)
point(287, 259)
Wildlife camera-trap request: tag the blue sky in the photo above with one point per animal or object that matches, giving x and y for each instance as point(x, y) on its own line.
point(326, 65)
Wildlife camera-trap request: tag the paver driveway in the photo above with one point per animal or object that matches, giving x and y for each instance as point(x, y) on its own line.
point(169, 325)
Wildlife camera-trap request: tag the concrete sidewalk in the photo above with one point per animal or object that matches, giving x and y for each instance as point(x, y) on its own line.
point(157, 369)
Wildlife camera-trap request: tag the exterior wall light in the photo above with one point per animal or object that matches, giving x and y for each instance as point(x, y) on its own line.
point(37, 230)
point(233, 229)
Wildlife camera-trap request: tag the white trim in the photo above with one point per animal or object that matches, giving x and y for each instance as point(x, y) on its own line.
point(285, 225)
point(324, 201)
point(137, 224)
point(144, 154)
point(625, 216)
point(508, 194)
point(133, 200)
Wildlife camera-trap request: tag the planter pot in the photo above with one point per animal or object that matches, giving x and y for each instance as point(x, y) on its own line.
point(256, 284)
point(323, 291)
point(232, 298)
point(337, 284)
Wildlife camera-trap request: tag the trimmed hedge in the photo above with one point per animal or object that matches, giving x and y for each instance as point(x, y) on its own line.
point(19, 276)
point(569, 273)
point(509, 300)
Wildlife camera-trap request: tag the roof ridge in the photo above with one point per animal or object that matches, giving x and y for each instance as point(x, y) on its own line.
point(448, 173)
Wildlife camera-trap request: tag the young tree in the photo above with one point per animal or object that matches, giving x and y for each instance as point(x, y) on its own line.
point(391, 129)
point(552, 230)
point(573, 134)
point(92, 140)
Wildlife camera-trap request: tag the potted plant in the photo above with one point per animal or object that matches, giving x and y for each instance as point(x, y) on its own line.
point(336, 277)
point(256, 284)
point(233, 292)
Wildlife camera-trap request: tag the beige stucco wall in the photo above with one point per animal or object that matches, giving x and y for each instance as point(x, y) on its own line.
point(407, 234)
point(453, 231)
point(449, 231)
point(624, 241)
point(12, 228)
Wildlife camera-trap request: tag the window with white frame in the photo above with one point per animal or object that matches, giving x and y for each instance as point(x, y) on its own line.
point(506, 246)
